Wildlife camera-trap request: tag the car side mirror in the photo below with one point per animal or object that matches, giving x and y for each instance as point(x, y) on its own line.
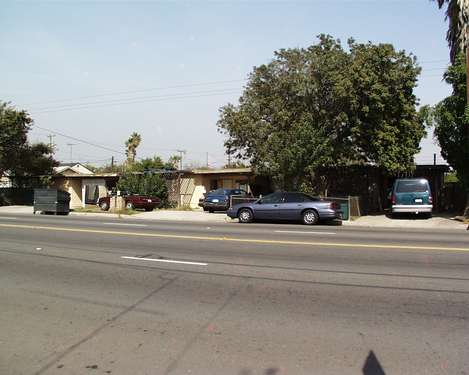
point(259, 201)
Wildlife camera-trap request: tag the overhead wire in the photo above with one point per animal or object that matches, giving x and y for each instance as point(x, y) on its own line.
point(137, 91)
point(134, 101)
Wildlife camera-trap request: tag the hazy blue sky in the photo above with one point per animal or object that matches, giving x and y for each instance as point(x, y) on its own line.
point(101, 70)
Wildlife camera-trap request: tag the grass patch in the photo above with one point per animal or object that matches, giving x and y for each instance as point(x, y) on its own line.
point(124, 211)
point(89, 209)
point(97, 210)
point(185, 207)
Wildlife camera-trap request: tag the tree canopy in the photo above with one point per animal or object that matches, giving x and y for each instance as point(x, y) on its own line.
point(457, 14)
point(17, 156)
point(144, 184)
point(326, 106)
point(131, 147)
point(451, 121)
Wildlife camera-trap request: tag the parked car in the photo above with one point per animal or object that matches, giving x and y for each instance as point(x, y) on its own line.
point(291, 206)
point(411, 195)
point(145, 202)
point(219, 199)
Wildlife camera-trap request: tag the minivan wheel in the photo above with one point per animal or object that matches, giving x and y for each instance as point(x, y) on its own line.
point(310, 217)
point(104, 206)
point(245, 215)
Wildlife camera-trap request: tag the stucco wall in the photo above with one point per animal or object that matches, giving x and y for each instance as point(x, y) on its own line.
point(73, 187)
point(202, 184)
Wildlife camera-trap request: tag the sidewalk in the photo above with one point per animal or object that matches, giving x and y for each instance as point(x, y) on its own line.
point(436, 222)
point(199, 216)
point(169, 215)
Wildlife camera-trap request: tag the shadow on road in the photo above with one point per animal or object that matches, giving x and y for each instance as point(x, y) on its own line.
point(372, 365)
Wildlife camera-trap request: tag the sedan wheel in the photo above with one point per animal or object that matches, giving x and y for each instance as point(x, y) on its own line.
point(310, 217)
point(129, 206)
point(245, 215)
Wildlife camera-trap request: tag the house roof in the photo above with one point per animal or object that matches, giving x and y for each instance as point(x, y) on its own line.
point(75, 168)
point(88, 176)
point(223, 171)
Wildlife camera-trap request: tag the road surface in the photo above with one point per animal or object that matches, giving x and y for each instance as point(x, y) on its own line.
point(108, 296)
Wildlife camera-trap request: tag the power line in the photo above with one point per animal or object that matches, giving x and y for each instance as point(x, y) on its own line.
point(136, 91)
point(95, 144)
point(80, 140)
point(137, 98)
point(111, 103)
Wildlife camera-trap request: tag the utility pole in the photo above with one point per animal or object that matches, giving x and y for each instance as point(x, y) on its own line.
point(206, 160)
point(181, 153)
point(51, 142)
point(71, 150)
point(112, 162)
point(229, 157)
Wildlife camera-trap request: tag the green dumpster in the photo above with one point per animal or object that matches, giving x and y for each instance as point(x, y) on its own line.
point(344, 206)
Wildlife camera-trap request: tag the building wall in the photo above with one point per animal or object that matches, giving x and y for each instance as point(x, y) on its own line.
point(73, 187)
point(199, 190)
point(203, 183)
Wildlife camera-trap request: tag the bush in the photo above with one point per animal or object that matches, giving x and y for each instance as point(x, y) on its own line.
point(144, 184)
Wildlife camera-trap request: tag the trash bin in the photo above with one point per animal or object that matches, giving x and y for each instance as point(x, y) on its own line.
point(51, 201)
point(344, 207)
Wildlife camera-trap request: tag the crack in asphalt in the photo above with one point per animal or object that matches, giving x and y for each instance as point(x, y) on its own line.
point(103, 326)
point(174, 363)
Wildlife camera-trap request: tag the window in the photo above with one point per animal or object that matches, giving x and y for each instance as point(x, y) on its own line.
point(273, 198)
point(412, 186)
point(218, 192)
point(294, 198)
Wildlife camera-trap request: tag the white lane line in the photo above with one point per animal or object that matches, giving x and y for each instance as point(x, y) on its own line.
point(302, 232)
point(167, 261)
point(8, 218)
point(127, 224)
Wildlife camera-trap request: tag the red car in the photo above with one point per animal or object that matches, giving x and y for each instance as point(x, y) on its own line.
point(132, 202)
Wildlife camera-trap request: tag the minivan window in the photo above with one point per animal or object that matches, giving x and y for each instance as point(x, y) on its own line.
point(415, 186)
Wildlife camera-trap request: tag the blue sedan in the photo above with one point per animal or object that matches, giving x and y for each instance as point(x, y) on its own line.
point(287, 206)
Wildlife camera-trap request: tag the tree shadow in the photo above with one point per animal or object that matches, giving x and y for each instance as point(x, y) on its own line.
point(372, 365)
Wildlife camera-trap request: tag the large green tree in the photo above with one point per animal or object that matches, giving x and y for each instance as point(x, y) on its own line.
point(451, 121)
point(326, 106)
point(457, 14)
point(144, 184)
point(18, 157)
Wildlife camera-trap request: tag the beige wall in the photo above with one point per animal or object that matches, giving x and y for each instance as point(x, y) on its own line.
point(73, 187)
point(202, 184)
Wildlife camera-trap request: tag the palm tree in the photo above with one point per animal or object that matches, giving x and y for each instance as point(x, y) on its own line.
point(132, 143)
point(457, 13)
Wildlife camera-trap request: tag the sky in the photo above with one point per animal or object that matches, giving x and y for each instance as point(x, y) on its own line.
point(93, 72)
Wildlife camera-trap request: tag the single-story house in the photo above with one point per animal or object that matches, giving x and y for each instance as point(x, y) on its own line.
point(195, 183)
point(84, 186)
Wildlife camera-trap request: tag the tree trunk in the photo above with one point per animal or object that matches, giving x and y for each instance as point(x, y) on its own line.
point(466, 210)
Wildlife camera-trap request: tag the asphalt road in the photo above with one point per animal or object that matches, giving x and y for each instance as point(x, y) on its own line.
point(102, 296)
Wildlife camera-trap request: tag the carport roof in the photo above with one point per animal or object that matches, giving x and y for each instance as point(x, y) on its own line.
point(223, 171)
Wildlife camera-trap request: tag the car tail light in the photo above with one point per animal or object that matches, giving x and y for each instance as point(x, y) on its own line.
point(335, 206)
point(430, 199)
point(393, 199)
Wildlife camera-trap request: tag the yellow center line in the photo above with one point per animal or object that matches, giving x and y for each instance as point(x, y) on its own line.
point(233, 239)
